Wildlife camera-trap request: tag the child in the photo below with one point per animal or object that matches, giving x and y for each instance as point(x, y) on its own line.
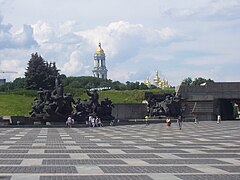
point(168, 122)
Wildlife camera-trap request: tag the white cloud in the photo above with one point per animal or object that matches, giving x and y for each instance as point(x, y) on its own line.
point(124, 39)
point(24, 38)
point(167, 33)
point(213, 10)
point(204, 61)
point(43, 32)
point(124, 75)
point(73, 65)
point(20, 39)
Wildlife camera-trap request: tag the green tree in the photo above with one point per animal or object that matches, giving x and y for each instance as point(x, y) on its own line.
point(196, 82)
point(200, 80)
point(19, 83)
point(187, 81)
point(143, 86)
point(52, 73)
point(40, 74)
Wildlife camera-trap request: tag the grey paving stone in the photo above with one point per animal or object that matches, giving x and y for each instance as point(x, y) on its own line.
point(208, 155)
point(13, 151)
point(148, 169)
point(7, 162)
point(82, 161)
point(76, 151)
point(98, 177)
point(184, 161)
point(179, 147)
point(156, 151)
point(33, 156)
point(109, 147)
point(223, 151)
point(210, 177)
point(38, 169)
point(230, 169)
point(37, 147)
point(138, 156)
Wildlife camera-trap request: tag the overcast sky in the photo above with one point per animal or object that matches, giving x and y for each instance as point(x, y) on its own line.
point(179, 38)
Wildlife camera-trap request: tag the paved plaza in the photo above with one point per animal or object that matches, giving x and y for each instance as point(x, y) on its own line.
point(205, 151)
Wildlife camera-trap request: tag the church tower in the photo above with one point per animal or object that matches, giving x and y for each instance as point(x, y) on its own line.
point(99, 69)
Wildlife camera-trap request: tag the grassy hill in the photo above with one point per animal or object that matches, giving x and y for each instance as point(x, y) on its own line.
point(15, 105)
point(19, 102)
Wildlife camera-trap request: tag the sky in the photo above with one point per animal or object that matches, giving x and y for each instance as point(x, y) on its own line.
point(177, 38)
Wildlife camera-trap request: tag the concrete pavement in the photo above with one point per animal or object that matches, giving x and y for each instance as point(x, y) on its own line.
point(197, 152)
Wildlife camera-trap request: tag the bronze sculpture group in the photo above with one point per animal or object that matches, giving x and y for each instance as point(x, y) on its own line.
point(57, 106)
point(163, 105)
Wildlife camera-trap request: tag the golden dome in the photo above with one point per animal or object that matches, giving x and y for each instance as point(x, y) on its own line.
point(99, 49)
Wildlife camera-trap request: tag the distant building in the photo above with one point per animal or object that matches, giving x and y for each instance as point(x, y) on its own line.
point(99, 69)
point(157, 81)
point(2, 81)
point(210, 100)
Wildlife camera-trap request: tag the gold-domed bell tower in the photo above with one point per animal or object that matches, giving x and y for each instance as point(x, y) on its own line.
point(156, 79)
point(99, 69)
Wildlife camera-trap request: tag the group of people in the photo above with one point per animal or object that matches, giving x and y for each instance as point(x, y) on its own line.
point(94, 121)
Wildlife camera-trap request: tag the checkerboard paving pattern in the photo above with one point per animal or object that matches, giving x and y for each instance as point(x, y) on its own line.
point(132, 152)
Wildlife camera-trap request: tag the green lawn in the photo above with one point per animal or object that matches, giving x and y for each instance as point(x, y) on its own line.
point(15, 105)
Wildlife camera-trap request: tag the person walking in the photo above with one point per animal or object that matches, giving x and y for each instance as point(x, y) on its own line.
point(219, 119)
point(146, 120)
point(180, 121)
point(196, 120)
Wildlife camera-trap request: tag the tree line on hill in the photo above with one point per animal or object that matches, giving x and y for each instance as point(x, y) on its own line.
point(42, 74)
point(196, 82)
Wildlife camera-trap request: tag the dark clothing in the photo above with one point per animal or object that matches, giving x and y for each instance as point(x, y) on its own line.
point(180, 121)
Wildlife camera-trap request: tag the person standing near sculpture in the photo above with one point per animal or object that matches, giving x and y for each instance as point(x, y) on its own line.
point(219, 119)
point(69, 122)
point(90, 120)
point(180, 121)
point(100, 124)
point(196, 119)
point(146, 120)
